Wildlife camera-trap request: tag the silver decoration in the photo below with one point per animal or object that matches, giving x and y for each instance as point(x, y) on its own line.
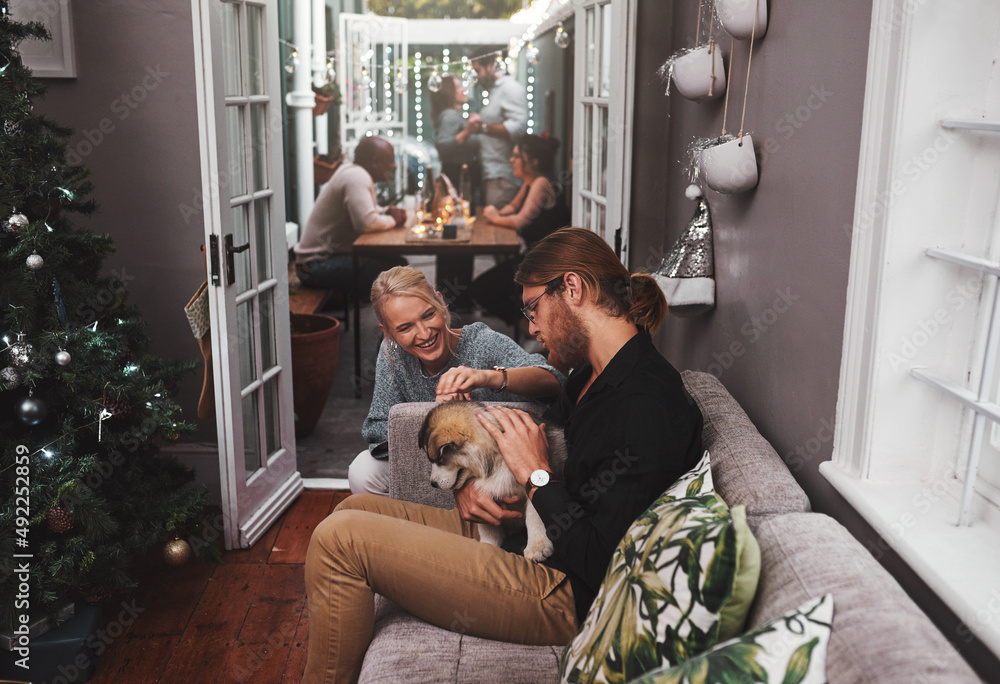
point(16, 222)
point(666, 70)
point(34, 261)
point(32, 411)
point(692, 255)
point(698, 146)
point(21, 352)
point(63, 358)
point(10, 377)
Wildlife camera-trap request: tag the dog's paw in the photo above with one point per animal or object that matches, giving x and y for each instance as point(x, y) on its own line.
point(538, 549)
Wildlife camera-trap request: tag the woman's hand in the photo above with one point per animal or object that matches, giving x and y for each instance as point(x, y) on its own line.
point(490, 213)
point(462, 380)
point(476, 506)
point(522, 442)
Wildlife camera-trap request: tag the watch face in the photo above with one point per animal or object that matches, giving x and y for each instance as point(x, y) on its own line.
point(540, 478)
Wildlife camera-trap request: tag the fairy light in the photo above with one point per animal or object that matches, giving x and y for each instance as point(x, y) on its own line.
point(417, 98)
point(531, 98)
point(47, 453)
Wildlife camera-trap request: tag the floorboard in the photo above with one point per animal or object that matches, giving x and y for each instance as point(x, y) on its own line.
point(297, 526)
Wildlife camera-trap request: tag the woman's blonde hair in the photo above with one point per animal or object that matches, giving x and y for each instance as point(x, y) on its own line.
point(405, 281)
point(605, 279)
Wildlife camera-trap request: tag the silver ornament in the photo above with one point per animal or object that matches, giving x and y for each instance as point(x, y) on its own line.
point(34, 262)
point(10, 377)
point(561, 38)
point(32, 411)
point(16, 222)
point(63, 358)
point(21, 352)
point(531, 54)
point(434, 81)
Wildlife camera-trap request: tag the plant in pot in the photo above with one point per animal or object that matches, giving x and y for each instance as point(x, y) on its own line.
point(327, 95)
point(315, 344)
point(325, 164)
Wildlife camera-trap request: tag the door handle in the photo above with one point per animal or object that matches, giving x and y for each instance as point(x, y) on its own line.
point(230, 260)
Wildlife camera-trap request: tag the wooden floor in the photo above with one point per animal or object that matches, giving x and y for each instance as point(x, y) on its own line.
point(241, 621)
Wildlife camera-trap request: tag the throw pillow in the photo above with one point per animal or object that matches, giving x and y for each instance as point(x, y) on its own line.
point(666, 587)
point(790, 648)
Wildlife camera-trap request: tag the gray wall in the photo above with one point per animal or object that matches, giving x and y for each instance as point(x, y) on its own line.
point(135, 66)
point(781, 255)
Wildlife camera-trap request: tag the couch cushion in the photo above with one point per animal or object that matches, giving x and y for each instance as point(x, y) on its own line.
point(747, 470)
point(682, 557)
point(407, 649)
point(789, 648)
point(879, 633)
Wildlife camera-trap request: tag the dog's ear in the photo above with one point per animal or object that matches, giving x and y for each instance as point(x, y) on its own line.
point(425, 432)
point(445, 448)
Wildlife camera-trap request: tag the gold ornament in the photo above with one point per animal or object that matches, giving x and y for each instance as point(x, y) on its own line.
point(177, 552)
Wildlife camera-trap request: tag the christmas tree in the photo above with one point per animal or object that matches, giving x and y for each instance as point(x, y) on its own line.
point(84, 488)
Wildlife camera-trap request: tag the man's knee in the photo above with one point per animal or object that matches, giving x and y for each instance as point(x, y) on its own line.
point(357, 502)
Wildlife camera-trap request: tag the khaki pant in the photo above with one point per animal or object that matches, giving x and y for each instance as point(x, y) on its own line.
point(427, 561)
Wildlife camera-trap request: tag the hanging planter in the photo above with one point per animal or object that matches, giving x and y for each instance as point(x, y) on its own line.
point(743, 19)
point(698, 73)
point(327, 95)
point(729, 163)
point(323, 167)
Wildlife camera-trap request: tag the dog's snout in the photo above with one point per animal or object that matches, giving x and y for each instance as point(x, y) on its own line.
point(434, 484)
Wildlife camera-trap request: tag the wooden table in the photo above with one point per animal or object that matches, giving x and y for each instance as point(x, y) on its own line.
point(486, 238)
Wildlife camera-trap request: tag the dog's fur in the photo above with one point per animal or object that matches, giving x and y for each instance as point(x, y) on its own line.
point(460, 448)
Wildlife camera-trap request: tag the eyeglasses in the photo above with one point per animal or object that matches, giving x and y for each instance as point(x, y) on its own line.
point(526, 309)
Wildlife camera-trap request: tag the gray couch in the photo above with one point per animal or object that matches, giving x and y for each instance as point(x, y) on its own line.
point(879, 634)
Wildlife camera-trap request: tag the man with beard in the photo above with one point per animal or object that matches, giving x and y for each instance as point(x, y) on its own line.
point(631, 430)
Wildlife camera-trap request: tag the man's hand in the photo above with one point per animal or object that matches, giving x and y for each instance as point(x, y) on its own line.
point(475, 124)
point(522, 442)
point(398, 215)
point(476, 506)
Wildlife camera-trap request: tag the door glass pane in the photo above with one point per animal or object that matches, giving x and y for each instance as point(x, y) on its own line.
point(586, 214)
point(589, 72)
point(241, 236)
point(258, 139)
point(236, 151)
point(245, 343)
point(272, 417)
point(255, 49)
point(601, 211)
point(232, 72)
point(605, 87)
point(251, 435)
point(268, 355)
point(588, 145)
point(602, 154)
point(262, 231)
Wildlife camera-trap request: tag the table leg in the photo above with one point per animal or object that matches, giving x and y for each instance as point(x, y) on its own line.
point(357, 326)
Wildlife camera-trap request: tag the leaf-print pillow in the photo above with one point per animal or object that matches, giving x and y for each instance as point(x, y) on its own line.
point(668, 581)
point(790, 649)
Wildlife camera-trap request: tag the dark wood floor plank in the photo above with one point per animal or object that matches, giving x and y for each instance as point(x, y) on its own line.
point(168, 598)
point(296, 529)
point(208, 642)
point(266, 637)
point(259, 552)
point(134, 659)
point(295, 667)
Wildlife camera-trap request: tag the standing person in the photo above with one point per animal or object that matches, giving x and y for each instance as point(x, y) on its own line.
point(499, 123)
point(423, 358)
point(347, 207)
point(624, 410)
point(456, 145)
point(535, 211)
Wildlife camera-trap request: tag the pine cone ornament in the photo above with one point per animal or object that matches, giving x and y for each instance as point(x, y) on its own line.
point(117, 407)
point(59, 520)
point(98, 595)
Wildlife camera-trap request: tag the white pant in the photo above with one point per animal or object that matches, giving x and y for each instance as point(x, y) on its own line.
point(368, 474)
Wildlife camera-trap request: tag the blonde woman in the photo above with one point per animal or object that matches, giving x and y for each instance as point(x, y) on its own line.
point(423, 358)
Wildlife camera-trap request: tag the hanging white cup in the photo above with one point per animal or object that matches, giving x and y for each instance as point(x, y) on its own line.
point(730, 167)
point(693, 73)
point(737, 17)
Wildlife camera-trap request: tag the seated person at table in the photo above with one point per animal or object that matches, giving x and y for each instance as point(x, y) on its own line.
point(625, 412)
point(346, 208)
point(452, 135)
point(535, 211)
point(423, 358)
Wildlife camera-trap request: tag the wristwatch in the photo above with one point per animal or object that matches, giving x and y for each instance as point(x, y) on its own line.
point(503, 370)
point(538, 478)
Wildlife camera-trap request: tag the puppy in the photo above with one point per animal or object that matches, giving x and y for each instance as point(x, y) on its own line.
point(460, 448)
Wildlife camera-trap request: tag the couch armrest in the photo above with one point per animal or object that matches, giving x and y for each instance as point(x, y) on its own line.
point(409, 469)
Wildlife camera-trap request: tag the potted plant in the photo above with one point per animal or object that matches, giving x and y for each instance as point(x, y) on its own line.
point(327, 95)
point(325, 164)
point(315, 344)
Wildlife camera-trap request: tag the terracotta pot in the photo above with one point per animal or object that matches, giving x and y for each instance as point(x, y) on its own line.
point(323, 103)
point(315, 343)
point(693, 73)
point(737, 17)
point(731, 166)
point(323, 168)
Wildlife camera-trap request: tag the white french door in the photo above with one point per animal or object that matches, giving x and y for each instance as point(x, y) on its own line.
point(237, 72)
point(602, 120)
